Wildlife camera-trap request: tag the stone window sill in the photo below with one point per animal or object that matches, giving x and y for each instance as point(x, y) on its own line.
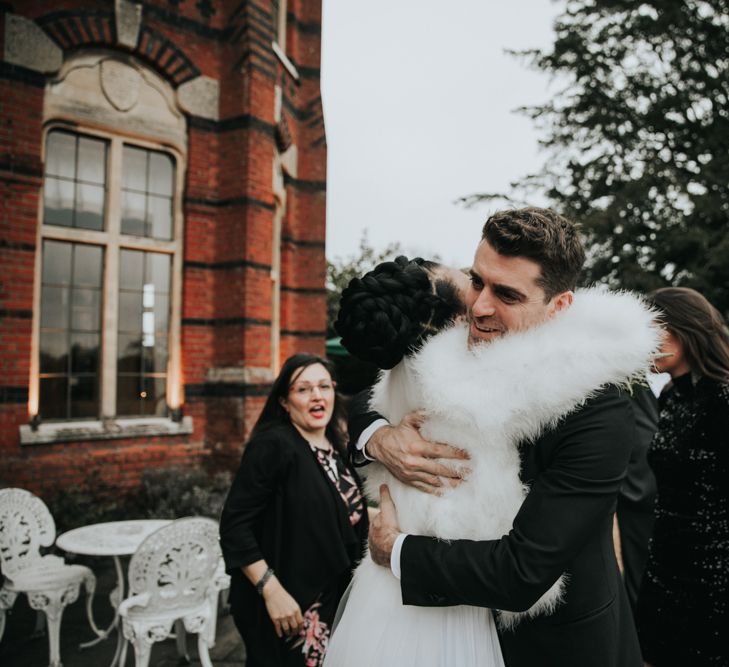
point(108, 429)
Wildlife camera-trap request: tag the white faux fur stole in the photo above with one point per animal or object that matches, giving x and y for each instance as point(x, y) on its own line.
point(488, 399)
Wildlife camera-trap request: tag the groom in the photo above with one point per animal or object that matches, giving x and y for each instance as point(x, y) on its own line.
point(524, 273)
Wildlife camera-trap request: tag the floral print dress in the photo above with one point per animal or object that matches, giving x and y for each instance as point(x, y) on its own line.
point(311, 642)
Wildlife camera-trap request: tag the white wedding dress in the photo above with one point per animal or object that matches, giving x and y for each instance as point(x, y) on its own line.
point(486, 401)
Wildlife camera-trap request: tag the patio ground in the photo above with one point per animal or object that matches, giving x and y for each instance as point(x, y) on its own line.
point(20, 647)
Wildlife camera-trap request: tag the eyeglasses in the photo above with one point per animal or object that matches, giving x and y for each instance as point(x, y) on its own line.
point(305, 389)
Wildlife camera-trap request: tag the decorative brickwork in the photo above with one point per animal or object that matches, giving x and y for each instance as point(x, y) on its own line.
point(230, 153)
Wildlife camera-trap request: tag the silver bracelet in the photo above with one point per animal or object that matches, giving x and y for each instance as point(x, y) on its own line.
point(263, 580)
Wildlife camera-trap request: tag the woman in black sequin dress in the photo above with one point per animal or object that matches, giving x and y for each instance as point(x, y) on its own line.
point(683, 606)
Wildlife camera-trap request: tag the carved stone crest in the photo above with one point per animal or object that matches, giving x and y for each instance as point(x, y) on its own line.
point(120, 84)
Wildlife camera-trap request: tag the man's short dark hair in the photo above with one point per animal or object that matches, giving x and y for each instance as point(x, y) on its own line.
point(545, 237)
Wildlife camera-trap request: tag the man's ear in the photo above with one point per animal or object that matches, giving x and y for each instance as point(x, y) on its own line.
point(562, 301)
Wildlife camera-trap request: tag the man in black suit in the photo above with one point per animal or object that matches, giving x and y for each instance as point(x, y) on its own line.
point(524, 273)
point(637, 496)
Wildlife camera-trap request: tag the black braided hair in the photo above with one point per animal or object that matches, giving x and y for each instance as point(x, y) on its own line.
point(392, 309)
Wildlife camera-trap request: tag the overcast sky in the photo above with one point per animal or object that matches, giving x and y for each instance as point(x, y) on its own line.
point(418, 102)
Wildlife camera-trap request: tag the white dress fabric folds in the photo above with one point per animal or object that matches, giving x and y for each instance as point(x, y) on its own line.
point(380, 630)
point(485, 400)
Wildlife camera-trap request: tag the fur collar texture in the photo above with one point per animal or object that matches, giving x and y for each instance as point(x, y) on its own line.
point(488, 399)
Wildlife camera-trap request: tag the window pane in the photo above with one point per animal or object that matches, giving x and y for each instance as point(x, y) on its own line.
point(134, 169)
point(128, 400)
point(159, 217)
point(131, 269)
point(133, 214)
point(130, 312)
point(70, 332)
point(87, 265)
point(158, 271)
point(91, 160)
point(54, 307)
point(148, 328)
point(148, 359)
point(53, 400)
point(61, 154)
point(153, 394)
point(74, 192)
point(160, 174)
point(85, 310)
point(147, 190)
point(129, 353)
point(144, 305)
point(160, 355)
point(161, 314)
point(84, 396)
point(89, 206)
point(84, 353)
point(56, 263)
point(58, 202)
point(54, 352)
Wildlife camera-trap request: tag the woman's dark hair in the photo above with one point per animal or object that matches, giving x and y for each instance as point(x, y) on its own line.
point(700, 328)
point(392, 309)
point(273, 413)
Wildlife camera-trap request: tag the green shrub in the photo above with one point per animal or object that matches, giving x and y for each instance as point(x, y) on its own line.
point(173, 493)
point(92, 501)
point(164, 493)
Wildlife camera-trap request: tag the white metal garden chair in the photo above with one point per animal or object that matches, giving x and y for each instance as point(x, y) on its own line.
point(50, 584)
point(174, 576)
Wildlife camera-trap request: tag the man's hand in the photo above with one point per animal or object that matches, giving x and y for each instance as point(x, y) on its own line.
point(404, 452)
point(383, 529)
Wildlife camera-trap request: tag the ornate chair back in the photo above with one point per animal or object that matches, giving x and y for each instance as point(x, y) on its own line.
point(176, 564)
point(25, 526)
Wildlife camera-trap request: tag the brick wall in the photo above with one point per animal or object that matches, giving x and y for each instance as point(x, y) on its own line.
point(228, 206)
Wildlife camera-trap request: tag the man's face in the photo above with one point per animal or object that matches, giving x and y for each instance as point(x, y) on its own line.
point(504, 296)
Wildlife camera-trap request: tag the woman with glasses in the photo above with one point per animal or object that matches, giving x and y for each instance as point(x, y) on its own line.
point(295, 522)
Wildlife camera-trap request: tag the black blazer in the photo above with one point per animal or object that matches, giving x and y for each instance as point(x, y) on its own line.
point(282, 507)
point(565, 525)
point(637, 496)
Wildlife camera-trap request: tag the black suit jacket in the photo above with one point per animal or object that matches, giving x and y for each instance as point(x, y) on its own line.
point(565, 525)
point(283, 508)
point(638, 494)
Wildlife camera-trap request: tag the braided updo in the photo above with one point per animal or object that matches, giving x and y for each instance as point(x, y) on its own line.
point(392, 309)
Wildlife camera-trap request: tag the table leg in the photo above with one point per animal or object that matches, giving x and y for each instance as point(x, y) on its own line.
point(120, 642)
point(115, 598)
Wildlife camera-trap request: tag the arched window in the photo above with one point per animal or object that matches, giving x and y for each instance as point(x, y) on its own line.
point(110, 239)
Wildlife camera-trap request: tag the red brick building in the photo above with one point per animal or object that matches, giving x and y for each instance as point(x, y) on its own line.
point(162, 223)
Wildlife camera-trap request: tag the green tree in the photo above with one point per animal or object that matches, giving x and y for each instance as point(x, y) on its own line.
point(638, 139)
point(341, 270)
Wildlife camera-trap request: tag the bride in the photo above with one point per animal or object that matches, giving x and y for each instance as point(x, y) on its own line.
point(404, 316)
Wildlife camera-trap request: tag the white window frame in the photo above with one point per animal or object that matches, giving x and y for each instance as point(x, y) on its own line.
point(280, 28)
point(113, 241)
